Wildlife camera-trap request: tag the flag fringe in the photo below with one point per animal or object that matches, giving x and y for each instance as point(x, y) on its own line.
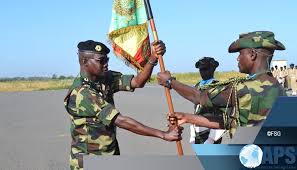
point(123, 55)
point(135, 28)
point(120, 52)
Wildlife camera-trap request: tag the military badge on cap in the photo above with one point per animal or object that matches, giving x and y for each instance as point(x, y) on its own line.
point(98, 48)
point(93, 47)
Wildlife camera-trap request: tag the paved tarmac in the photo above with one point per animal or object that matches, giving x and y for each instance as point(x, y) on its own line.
point(34, 127)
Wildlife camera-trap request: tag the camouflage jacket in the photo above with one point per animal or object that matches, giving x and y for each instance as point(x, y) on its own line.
point(91, 109)
point(241, 101)
point(197, 107)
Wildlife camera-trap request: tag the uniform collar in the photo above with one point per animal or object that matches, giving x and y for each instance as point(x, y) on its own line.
point(204, 82)
point(253, 76)
point(84, 78)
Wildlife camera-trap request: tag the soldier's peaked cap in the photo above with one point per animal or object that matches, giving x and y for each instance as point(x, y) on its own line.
point(257, 39)
point(93, 46)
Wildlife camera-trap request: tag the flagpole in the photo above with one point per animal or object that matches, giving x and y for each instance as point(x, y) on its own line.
point(162, 67)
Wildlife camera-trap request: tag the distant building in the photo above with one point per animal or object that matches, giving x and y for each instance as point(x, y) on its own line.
point(279, 63)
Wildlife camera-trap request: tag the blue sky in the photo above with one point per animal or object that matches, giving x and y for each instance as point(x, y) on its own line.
point(39, 38)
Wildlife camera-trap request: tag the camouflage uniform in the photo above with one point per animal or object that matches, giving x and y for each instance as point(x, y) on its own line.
point(201, 135)
point(91, 109)
point(244, 101)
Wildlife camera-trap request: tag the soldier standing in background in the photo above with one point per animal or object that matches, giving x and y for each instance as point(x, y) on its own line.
point(273, 72)
point(286, 73)
point(281, 77)
point(199, 135)
point(290, 74)
point(293, 79)
point(276, 72)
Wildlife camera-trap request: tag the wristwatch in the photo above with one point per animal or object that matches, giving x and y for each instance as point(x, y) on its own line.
point(153, 63)
point(169, 81)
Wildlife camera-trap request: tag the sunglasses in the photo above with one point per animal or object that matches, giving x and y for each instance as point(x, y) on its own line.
point(103, 60)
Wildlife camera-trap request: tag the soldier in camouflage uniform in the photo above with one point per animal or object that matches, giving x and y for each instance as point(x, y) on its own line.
point(90, 104)
point(199, 135)
point(239, 101)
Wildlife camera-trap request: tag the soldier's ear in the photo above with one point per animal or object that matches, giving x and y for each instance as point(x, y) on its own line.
point(85, 62)
point(254, 54)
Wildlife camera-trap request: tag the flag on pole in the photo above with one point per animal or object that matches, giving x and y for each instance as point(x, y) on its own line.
point(129, 33)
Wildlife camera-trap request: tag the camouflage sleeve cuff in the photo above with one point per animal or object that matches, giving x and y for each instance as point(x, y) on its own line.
point(107, 114)
point(126, 83)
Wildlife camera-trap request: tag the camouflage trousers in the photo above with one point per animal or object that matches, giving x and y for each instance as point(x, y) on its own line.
point(76, 161)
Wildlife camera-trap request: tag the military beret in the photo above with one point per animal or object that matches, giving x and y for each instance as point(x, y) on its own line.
point(207, 62)
point(93, 46)
point(257, 39)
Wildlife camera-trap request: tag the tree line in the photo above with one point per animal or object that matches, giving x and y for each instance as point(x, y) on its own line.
point(36, 78)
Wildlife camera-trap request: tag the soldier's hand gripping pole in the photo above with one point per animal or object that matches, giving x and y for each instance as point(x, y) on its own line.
point(162, 67)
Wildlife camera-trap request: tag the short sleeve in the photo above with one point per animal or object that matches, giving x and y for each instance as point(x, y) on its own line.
point(214, 101)
point(126, 83)
point(217, 96)
point(121, 82)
